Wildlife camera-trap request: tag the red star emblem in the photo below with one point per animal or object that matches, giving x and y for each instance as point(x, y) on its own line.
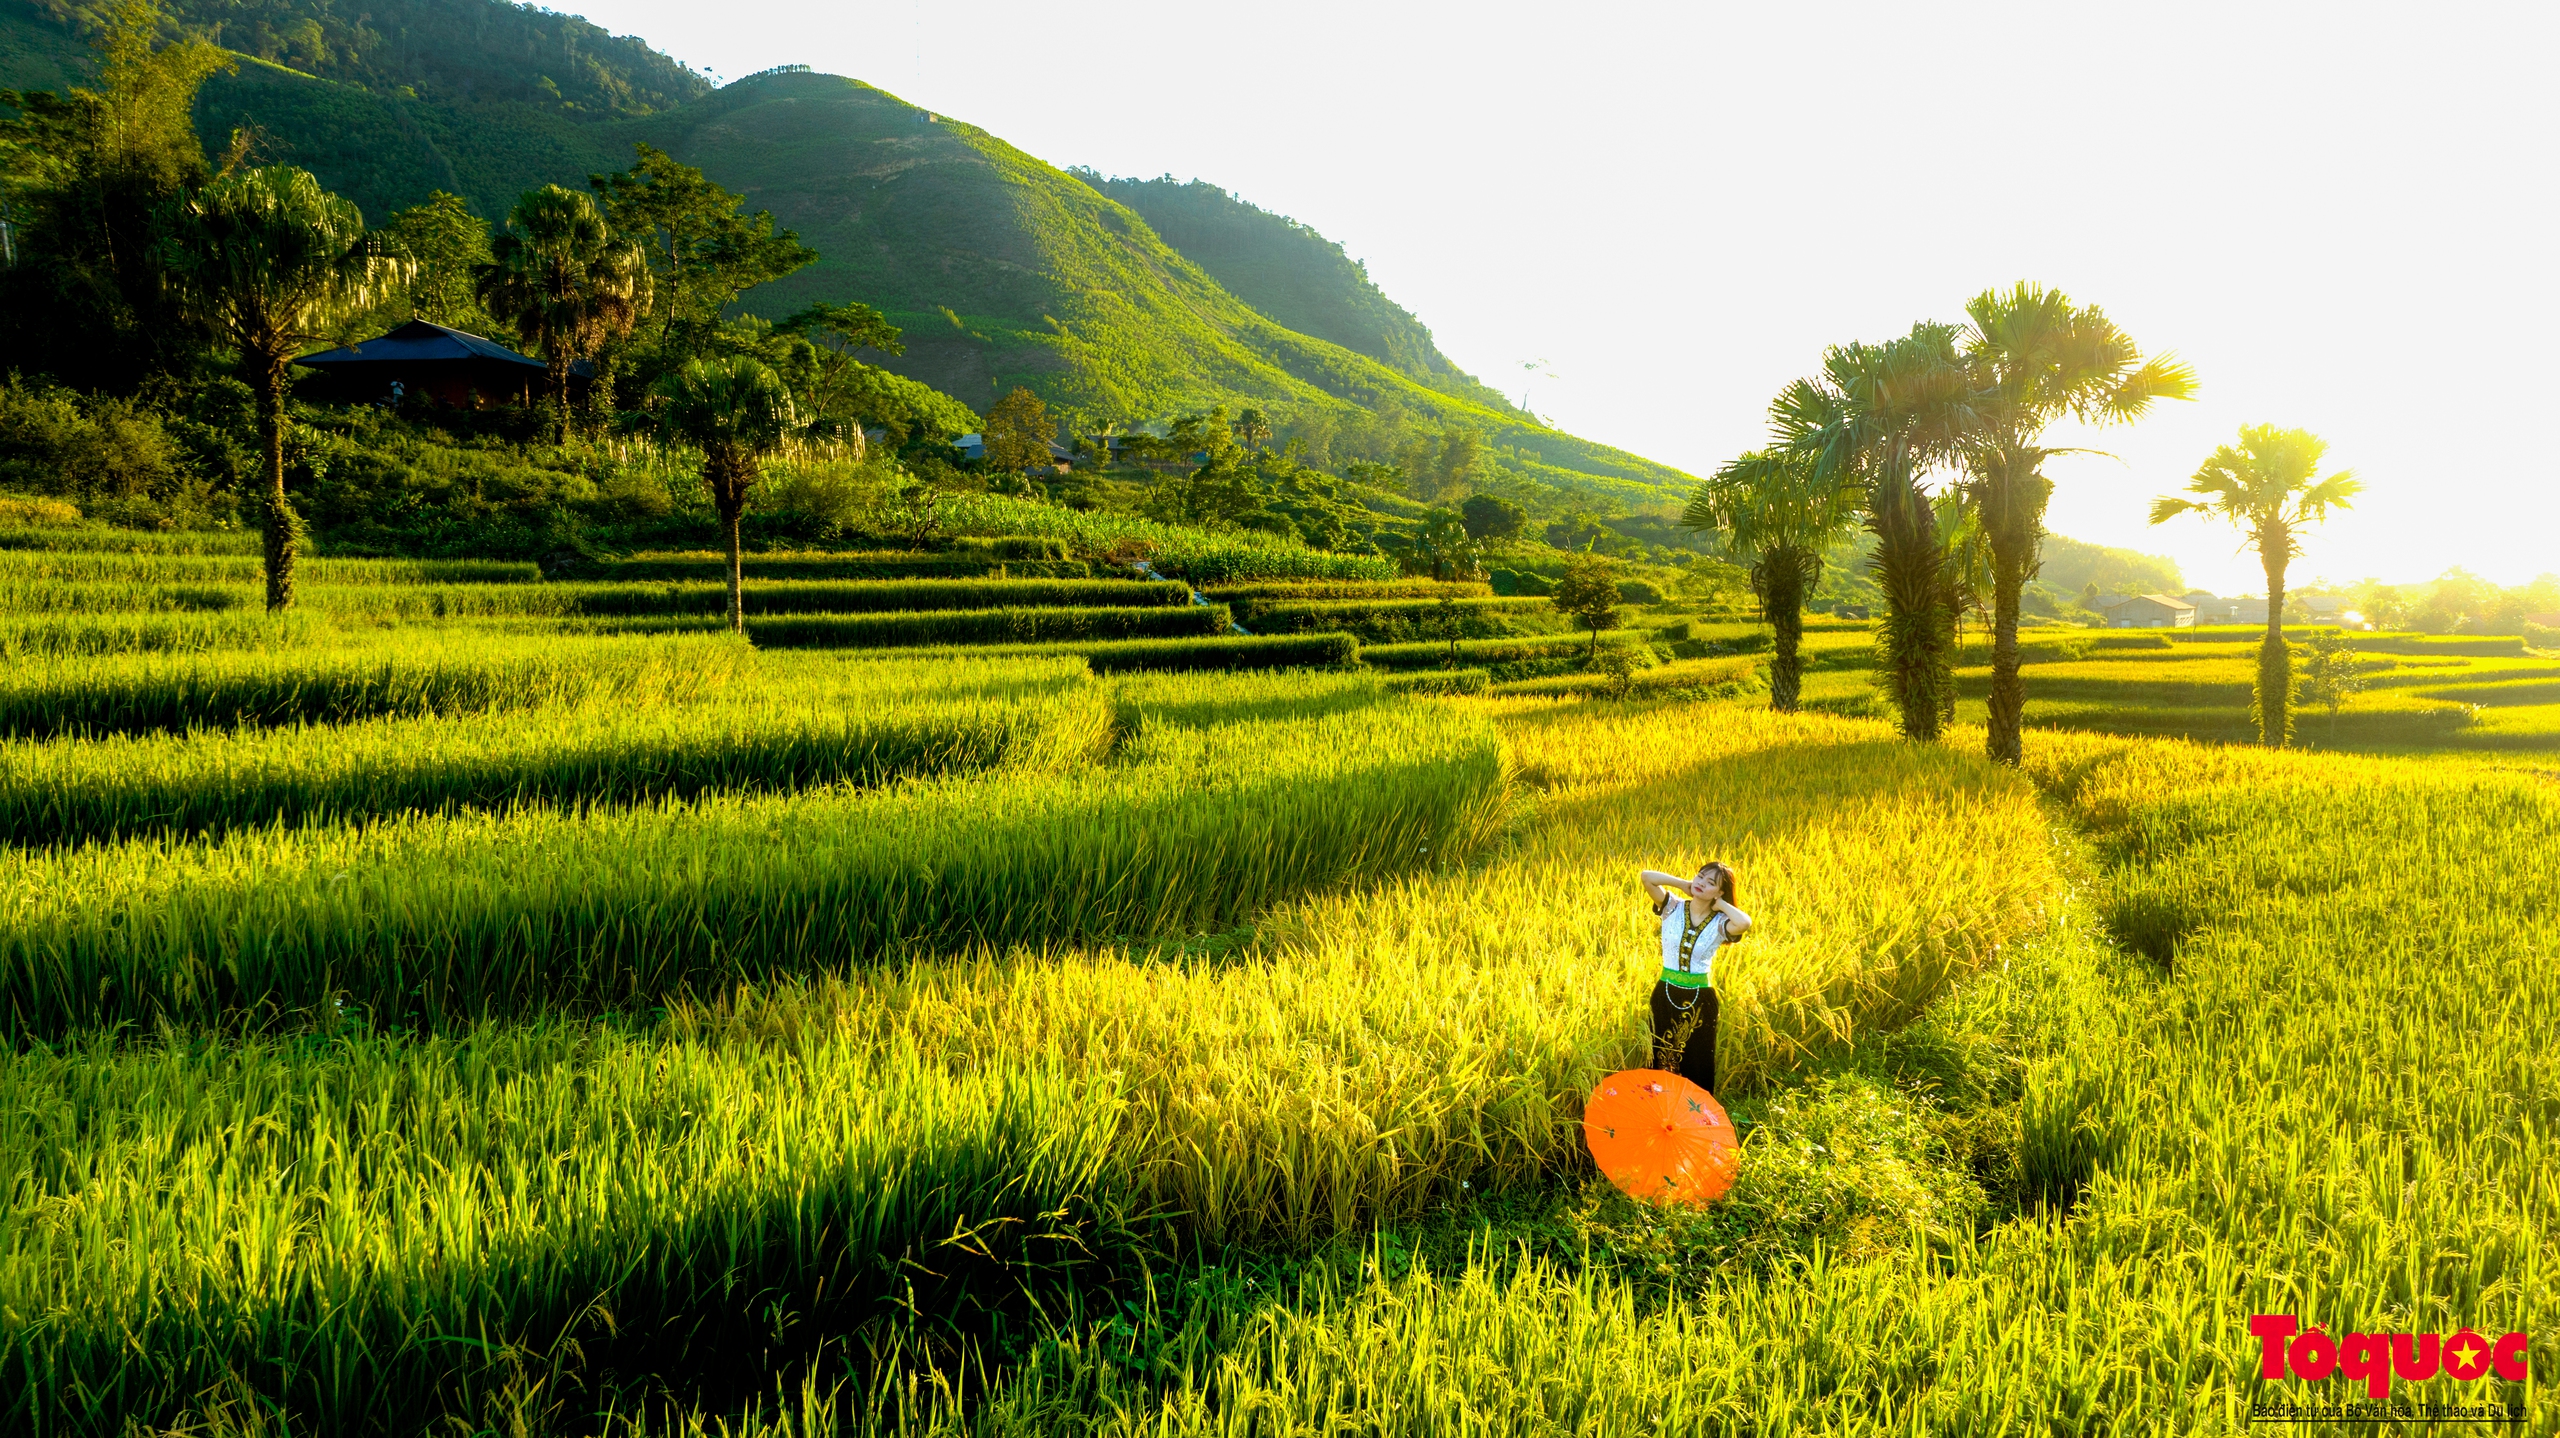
point(2466, 1357)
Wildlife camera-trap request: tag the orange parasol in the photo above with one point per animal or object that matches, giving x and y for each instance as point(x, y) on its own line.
point(1661, 1137)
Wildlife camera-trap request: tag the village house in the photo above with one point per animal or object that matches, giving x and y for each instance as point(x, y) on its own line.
point(428, 361)
point(2150, 611)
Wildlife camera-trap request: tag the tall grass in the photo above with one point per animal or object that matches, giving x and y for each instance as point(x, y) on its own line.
point(879, 596)
point(372, 1235)
point(1204, 557)
point(1362, 1054)
point(446, 919)
point(1220, 651)
point(98, 539)
point(29, 566)
point(795, 728)
point(452, 672)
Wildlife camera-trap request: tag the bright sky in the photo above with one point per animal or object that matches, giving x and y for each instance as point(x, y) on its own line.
point(2340, 214)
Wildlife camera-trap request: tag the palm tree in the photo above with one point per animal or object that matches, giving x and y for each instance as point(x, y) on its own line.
point(2036, 358)
point(275, 263)
point(2266, 487)
point(564, 281)
point(1781, 510)
point(737, 411)
point(1878, 416)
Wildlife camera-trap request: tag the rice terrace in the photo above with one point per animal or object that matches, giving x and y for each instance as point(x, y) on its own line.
point(726, 759)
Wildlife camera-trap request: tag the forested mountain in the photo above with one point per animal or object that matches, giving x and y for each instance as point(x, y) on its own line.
point(1002, 269)
point(1293, 274)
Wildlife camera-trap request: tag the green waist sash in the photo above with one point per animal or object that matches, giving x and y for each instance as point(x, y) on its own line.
point(1685, 980)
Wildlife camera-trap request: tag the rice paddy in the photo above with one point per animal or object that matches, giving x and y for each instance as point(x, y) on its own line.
point(428, 1017)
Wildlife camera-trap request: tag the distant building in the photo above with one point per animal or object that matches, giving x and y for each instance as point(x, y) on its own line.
point(427, 361)
point(2150, 611)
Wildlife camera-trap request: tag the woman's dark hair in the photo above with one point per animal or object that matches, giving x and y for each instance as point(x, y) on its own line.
point(1732, 885)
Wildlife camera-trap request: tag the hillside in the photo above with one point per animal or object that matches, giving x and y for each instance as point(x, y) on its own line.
point(1003, 269)
point(1292, 274)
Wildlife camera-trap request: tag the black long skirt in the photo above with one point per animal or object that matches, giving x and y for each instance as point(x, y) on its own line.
point(1684, 1032)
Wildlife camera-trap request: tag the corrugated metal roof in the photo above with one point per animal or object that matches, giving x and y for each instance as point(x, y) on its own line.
point(418, 340)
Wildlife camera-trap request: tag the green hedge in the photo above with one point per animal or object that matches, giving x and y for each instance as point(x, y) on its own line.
point(1520, 581)
point(2541, 636)
point(983, 626)
point(877, 596)
point(876, 564)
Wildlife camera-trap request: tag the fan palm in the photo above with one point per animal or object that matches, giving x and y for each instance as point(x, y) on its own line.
point(275, 263)
point(564, 281)
point(1879, 416)
point(736, 411)
point(1781, 510)
point(2036, 358)
point(2268, 486)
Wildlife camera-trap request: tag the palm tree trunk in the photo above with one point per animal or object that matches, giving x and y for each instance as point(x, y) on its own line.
point(559, 367)
point(281, 528)
point(2275, 661)
point(1913, 639)
point(1783, 582)
point(729, 514)
point(2013, 520)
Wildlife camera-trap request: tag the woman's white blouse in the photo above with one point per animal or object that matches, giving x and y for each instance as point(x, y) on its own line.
point(1702, 954)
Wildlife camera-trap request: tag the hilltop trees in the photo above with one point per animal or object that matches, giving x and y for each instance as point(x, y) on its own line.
point(2034, 358)
point(703, 250)
point(273, 262)
point(1780, 509)
point(563, 280)
point(736, 411)
point(88, 182)
point(2269, 487)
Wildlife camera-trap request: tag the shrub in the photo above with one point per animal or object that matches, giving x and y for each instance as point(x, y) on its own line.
point(1641, 592)
point(1518, 581)
point(1242, 595)
point(2541, 636)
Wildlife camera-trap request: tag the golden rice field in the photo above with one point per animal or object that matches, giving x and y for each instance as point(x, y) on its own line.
point(429, 1026)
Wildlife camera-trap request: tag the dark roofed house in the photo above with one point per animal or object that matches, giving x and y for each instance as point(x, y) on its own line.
point(464, 371)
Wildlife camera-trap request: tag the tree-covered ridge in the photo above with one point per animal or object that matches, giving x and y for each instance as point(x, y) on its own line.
point(1002, 270)
point(483, 51)
point(1005, 270)
point(1293, 274)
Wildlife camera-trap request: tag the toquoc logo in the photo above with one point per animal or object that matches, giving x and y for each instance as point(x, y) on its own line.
point(2377, 1358)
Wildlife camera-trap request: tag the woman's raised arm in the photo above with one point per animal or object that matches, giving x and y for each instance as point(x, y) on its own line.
point(1656, 881)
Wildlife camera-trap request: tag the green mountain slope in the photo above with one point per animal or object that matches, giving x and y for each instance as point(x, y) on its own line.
point(1293, 274)
point(1003, 269)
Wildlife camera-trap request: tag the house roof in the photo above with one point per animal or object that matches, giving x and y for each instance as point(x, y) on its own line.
point(2165, 601)
point(415, 341)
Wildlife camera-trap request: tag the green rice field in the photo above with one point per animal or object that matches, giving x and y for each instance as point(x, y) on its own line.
point(977, 1002)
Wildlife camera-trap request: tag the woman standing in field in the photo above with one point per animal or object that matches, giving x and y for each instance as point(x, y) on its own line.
point(1698, 917)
